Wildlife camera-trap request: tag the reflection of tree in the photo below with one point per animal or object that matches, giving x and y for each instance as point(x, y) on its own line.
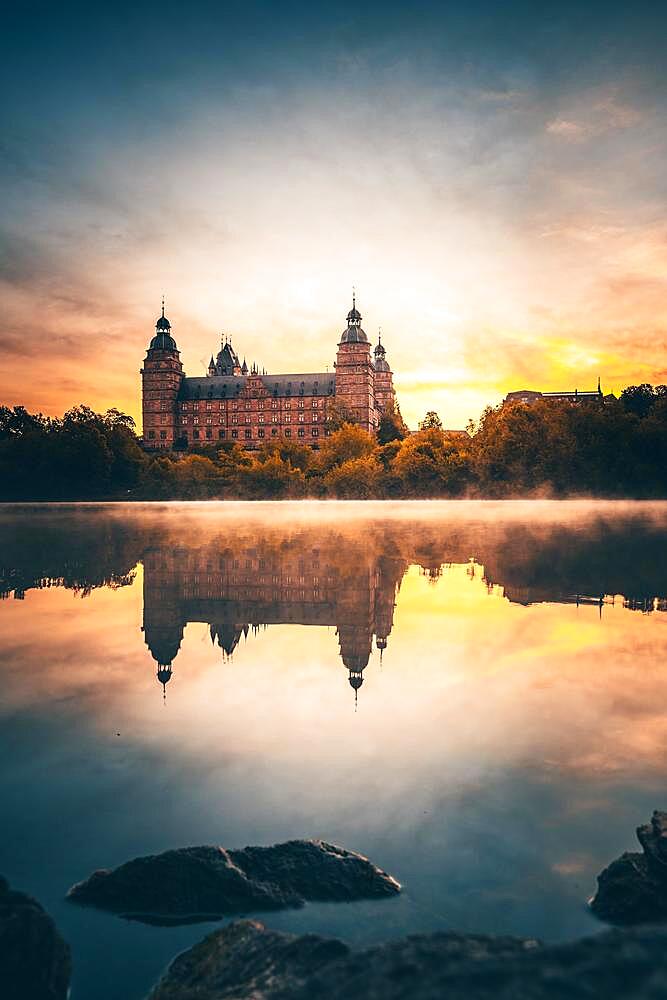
point(80, 553)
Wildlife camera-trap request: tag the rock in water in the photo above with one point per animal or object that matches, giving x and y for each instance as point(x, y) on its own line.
point(244, 961)
point(35, 962)
point(200, 883)
point(633, 889)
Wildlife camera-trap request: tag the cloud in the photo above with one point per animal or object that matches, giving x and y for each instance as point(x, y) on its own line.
point(593, 117)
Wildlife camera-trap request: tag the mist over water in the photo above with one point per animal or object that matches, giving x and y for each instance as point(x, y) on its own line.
point(472, 694)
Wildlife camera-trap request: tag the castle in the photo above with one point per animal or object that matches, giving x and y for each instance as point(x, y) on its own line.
point(234, 402)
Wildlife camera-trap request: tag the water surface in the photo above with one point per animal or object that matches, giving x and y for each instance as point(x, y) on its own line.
point(472, 694)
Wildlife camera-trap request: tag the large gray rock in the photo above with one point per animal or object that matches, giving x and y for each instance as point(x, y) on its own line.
point(247, 962)
point(633, 889)
point(35, 962)
point(199, 883)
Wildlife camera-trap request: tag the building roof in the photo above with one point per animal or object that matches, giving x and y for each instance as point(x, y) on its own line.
point(230, 386)
point(162, 341)
point(353, 335)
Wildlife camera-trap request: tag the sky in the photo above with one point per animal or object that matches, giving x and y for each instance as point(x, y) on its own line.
point(488, 176)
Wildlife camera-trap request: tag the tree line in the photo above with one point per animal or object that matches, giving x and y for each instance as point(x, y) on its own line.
point(615, 448)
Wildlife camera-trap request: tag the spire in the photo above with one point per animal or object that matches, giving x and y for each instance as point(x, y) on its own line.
point(354, 316)
point(163, 307)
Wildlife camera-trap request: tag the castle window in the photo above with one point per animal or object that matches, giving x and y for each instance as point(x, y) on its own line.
point(301, 431)
point(288, 418)
point(260, 432)
point(184, 406)
point(288, 432)
point(315, 403)
point(235, 418)
point(163, 418)
point(261, 418)
point(234, 404)
point(209, 420)
point(209, 406)
point(151, 434)
point(274, 431)
point(195, 420)
point(209, 433)
point(247, 405)
point(300, 404)
point(195, 434)
point(235, 433)
point(274, 404)
point(315, 432)
point(260, 404)
point(163, 405)
point(248, 420)
point(184, 420)
point(288, 404)
point(248, 433)
point(316, 417)
point(221, 434)
point(301, 418)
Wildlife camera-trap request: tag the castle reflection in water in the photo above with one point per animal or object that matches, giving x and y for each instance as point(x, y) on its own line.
point(239, 591)
point(240, 572)
point(320, 578)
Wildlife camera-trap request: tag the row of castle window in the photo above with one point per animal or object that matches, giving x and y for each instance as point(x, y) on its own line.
point(248, 419)
point(301, 432)
point(247, 405)
point(276, 595)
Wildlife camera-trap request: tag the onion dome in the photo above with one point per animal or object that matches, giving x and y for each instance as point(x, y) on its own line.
point(163, 340)
point(354, 334)
point(380, 363)
point(163, 675)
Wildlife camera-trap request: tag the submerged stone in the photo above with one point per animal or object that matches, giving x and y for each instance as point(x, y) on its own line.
point(35, 962)
point(200, 883)
point(244, 961)
point(633, 888)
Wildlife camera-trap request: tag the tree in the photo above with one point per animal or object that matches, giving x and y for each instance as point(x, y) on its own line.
point(354, 479)
point(639, 399)
point(272, 477)
point(299, 455)
point(431, 463)
point(431, 422)
point(344, 444)
point(391, 427)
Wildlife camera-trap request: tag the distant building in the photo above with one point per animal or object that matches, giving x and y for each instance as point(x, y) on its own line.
point(234, 402)
point(531, 396)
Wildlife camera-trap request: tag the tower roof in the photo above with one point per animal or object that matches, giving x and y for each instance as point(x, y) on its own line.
point(380, 363)
point(163, 341)
point(353, 334)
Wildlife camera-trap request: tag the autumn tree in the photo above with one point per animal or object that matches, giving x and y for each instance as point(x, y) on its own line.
point(347, 443)
point(431, 422)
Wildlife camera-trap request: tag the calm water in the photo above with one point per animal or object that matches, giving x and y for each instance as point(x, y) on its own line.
point(472, 694)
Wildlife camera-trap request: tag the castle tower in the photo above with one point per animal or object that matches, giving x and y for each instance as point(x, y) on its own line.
point(385, 397)
point(227, 361)
point(355, 388)
point(161, 379)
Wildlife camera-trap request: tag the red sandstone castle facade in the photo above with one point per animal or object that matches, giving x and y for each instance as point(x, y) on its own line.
point(233, 402)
